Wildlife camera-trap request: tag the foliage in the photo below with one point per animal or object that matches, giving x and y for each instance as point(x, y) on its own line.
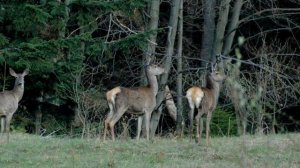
point(74, 47)
point(56, 40)
point(223, 122)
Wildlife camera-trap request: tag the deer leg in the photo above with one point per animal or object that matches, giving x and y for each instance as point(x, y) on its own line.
point(106, 125)
point(116, 117)
point(199, 126)
point(200, 130)
point(209, 114)
point(147, 119)
point(139, 128)
point(191, 115)
point(107, 120)
point(3, 122)
point(7, 125)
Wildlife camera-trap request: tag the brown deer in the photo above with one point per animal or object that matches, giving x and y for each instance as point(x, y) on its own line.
point(205, 100)
point(138, 100)
point(9, 99)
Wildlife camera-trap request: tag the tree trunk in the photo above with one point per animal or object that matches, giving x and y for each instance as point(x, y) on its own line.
point(167, 62)
point(62, 32)
point(149, 52)
point(208, 31)
point(238, 122)
point(240, 116)
point(179, 123)
point(38, 120)
point(153, 25)
point(38, 113)
point(221, 25)
point(232, 26)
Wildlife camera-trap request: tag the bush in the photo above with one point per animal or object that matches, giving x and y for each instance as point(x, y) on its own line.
point(223, 122)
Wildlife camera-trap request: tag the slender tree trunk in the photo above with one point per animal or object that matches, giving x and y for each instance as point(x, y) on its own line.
point(238, 122)
point(221, 25)
point(149, 52)
point(167, 62)
point(241, 116)
point(153, 25)
point(62, 32)
point(179, 123)
point(208, 31)
point(38, 113)
point(232, 26)
point(274, 124)
point(38, 120)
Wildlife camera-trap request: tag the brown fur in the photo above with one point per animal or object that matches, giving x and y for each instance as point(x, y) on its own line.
point(137, 100)
point(208, 97)
point(196, 94)
point(9, 100)
point(111, 94)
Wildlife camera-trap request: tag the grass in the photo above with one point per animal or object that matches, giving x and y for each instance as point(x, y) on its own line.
point(32, 151)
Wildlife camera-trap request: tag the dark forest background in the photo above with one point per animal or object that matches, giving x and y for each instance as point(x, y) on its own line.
point(77, 50)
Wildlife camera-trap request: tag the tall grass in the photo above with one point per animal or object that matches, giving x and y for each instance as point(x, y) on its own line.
point(25, 150)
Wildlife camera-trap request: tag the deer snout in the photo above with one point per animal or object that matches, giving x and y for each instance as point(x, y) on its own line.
point(19, 83)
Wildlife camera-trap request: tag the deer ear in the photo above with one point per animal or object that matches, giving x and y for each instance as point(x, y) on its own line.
point(26, 71)
point(12, 72)
point(213, 67)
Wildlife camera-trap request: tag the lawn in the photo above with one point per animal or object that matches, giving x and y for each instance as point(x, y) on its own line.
point(24, 150)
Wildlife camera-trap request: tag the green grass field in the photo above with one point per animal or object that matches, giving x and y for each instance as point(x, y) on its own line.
point(32, 151)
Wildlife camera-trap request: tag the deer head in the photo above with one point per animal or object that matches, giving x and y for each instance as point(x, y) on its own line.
point(155, 69)
point(19, 82)
point(216, 75)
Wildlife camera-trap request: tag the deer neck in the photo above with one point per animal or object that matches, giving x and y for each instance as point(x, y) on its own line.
point(18, 91)
point(152, 82)
point(214, 86)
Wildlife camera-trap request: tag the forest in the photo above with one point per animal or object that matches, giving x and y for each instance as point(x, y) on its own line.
point(77, 50)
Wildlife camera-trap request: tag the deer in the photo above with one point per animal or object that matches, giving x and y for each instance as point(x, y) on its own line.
point(9, 100)
point(205, 100)
point(137, 100)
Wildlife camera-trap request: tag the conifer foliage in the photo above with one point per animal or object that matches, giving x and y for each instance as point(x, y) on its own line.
point(61, 42)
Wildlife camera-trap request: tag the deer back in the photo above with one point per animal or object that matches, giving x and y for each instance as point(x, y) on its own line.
point(135, 99)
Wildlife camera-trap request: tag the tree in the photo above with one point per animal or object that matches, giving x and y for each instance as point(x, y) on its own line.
point(179, 122)
point(208, 32)
point(77, 50)
point(221, 25)
point(167, 62)
point(232, 26)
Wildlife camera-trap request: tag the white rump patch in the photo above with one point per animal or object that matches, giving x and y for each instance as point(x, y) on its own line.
point(198, 99)
point(195, 96)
